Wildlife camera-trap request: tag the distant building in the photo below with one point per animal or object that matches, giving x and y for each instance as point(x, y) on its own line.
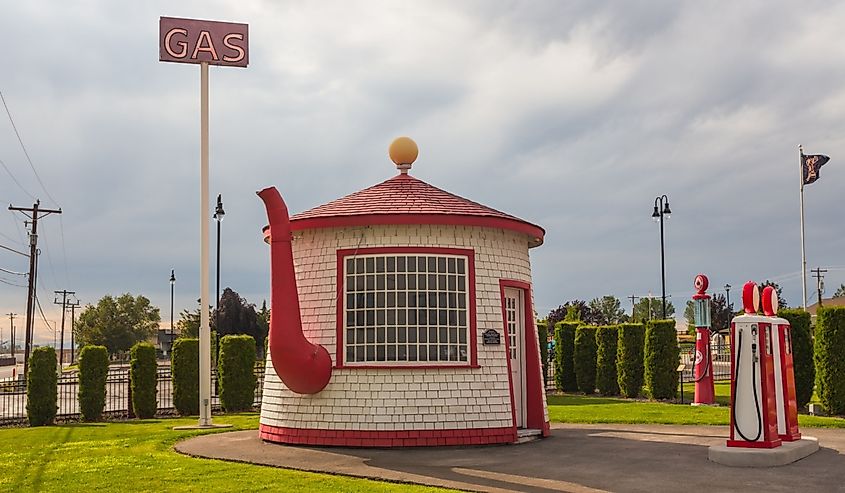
point(164, 341)
point(828, 302)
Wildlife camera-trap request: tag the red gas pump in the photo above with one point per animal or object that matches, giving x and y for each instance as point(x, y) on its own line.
point(787, 406)
point(753, 406)
point(704, 391)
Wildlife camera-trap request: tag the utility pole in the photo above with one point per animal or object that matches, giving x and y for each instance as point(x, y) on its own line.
point(64, 294)
point(12, 332)
point(33, 213)
point(818, 273)
point(633, 299)
point(72, 306)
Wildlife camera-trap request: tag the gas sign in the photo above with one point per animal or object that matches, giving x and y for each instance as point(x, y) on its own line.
point(197, 41)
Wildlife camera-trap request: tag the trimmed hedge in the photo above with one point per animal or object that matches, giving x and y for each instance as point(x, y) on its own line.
point(142, 377)
point(236, 371)
point(629, 359)
point(830, 358)
point(93, 370)
point(41, 387)
point(802, 354)
point(565, 356)
point(543, 338)
point(661, 359)
point(585, 358)
point(185, 368)
point(607, 337)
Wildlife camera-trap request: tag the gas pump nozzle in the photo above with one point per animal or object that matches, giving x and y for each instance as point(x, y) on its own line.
point(755, 357)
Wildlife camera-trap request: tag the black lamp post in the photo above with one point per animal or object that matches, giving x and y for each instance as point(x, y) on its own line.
point(661, 210)
point(218, 216)
point(172, 286)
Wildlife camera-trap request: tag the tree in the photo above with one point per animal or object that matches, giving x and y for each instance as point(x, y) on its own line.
point(188, 324)
point(556, 315)
point(117, 323)
point(607, 310)
point(263, 324)
point(720, 313)
point(237, 316)
point(778, 290)
point(652, 309)
point(840, 291)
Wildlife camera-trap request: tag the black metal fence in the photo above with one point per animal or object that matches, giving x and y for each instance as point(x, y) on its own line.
point(720, 362)
point(118, 404)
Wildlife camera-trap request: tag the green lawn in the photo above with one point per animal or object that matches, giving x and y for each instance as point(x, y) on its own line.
point(138, 456)
point(572, 408)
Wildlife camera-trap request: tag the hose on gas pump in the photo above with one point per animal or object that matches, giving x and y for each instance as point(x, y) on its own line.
point(709, 360)
point(753, 387)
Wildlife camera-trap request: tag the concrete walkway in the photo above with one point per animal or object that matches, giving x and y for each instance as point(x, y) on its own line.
point(576, 458)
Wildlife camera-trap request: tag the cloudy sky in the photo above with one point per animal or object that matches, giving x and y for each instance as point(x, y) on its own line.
point(573, 115)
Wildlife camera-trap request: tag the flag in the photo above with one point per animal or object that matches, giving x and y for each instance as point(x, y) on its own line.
point(810, 166)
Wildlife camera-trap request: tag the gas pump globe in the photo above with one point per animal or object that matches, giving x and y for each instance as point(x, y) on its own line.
point(701, 312)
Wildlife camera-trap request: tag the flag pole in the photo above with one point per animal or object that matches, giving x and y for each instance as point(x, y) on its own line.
point(803, 252)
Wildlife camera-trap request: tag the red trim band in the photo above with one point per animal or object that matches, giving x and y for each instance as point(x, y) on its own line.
point(535, 233)
point(386, 438)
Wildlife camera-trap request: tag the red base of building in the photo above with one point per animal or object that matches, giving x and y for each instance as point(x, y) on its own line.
point(760, 444)
point(790, 437)
point(404, 438)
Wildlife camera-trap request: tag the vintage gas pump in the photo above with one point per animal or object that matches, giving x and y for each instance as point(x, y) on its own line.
point(753, 406)
point(787, 406)
point(704, 392)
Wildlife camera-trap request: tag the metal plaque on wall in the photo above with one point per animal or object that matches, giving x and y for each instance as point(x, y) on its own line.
point(491, 336)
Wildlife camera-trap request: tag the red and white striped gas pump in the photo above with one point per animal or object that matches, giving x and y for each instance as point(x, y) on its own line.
point(787, 404)
point(753, 405)
point(704, 391)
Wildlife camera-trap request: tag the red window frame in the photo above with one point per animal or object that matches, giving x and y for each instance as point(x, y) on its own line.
point(472, 336)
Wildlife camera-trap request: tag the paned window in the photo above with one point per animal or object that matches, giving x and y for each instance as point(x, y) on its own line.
point(406, 309)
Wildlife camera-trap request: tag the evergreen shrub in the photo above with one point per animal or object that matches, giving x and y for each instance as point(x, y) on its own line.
point(543, 338)
point(607, 337)
point(661, 359)
point(585, 358)
point(237, 372)
point(93, 370)
point(564, 356)
point(41, 387)
point(185, 368)
point(830, 359)
point(143, 377)
point(630, 364)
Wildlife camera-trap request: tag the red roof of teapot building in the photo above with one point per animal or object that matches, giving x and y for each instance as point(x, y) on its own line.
point(404, 199)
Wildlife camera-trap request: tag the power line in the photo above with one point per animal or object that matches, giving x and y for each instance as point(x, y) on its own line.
point(25, 152)
point(13, 250)
point(15, 179)
point(12, 284)
point(64, 250)
point(12, 272)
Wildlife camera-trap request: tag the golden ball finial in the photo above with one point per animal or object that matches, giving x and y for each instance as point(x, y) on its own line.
point(403, 152)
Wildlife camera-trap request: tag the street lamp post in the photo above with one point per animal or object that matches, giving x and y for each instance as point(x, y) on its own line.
point(728, 297)
point(172, 286)
point(661, 210)
point(218, 216)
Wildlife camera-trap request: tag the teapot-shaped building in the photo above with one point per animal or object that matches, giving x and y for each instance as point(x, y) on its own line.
point(401, 316)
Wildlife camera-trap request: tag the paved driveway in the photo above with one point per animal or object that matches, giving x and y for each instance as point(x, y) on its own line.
point(576, 458)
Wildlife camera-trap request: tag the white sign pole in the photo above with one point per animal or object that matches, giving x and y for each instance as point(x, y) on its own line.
point(205, 331)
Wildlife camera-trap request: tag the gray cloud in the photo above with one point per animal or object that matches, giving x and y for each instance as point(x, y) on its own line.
point(573, 115)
